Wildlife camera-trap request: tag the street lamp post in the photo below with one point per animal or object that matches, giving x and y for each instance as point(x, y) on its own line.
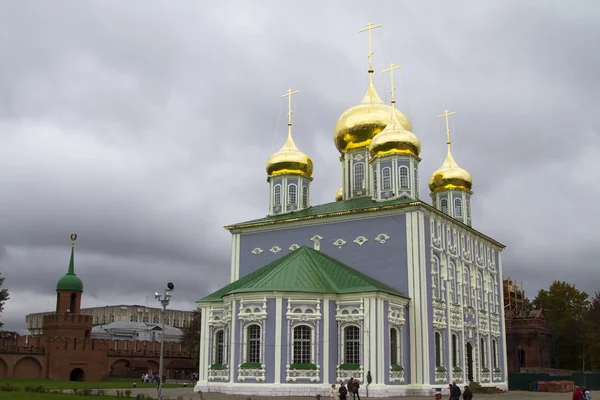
point(164, 300)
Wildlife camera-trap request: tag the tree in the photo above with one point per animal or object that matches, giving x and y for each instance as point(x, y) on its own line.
point(593, 322)
point(566, 309)
point(3, 297)
point(190, 337)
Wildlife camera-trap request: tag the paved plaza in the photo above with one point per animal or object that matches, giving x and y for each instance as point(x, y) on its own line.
point(188, 393)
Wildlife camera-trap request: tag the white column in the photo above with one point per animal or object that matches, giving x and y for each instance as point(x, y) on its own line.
point(278, 321)
point(235, 256)
point(415, 344)
point(326, 336)
point(502, 320)
point(231, 339)
point(424, 298)
point(204, 348)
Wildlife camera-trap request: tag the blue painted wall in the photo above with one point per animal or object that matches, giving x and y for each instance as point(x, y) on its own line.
point(384, 262)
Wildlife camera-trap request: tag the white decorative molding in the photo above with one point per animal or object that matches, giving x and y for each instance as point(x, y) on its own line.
point(441, 377)
point(303, 310)
point(256, 374)
point(470, 329)
point(294, 247)
point(382, 238)
point(218, 374)
point(439, 315)
point(457, 376)
point(316, 242)
point(311, 375)
point(361, 240)
point(396, 376)
point(275, 249)
point(359, 157)
point(485, 376)
point(436, 242)
point(395, 314)
point(339, 243)
point(344, 374)
point(257, 251)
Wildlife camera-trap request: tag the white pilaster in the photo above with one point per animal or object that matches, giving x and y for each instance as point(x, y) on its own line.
point(424, 298)
point(277, 364)
point(502, 320)
point(374, 348)
point(414, 304)
point(232, 341)
point(326, 336)
point(381, 344)
point(235, 256)
point(204, 348)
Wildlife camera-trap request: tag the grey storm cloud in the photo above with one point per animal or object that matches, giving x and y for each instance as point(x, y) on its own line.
point(144, 127)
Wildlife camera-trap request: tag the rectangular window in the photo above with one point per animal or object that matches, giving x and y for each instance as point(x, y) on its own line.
point(277, 195)
point(292, 194)
point(253, 350)
point(302, 344)
point(393, 346)
point(219, 347)
point(386, 178)
point(454, 351)
point(403, 177)
point(359, 176)
point(352, 345)
point(304, 196)
point(438, 349)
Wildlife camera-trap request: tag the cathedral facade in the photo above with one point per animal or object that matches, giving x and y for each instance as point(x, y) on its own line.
point(379, 285)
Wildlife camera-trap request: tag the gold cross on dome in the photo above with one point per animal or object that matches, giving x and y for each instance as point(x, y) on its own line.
point(446, 114)
point(391, 71)
point(289, 95)
point(369, 28)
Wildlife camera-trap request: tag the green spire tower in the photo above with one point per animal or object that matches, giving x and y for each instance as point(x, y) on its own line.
point(70, 282)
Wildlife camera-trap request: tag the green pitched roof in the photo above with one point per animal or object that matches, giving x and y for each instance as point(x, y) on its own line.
point(70, 281)
point(304, 270)
point(358, 205)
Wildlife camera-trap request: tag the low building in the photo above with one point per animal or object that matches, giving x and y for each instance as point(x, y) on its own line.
point(124, 330)
point(117, 313)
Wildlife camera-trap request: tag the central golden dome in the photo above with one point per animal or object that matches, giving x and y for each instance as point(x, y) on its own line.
point(359, 124)
point(394, 139)
point(289, 160)
point(450, 176)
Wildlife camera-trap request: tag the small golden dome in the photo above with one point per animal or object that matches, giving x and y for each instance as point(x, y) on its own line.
point(450, 176)
point(359, 124)
point(289, 160)
point(339, 196)
point(394, 139)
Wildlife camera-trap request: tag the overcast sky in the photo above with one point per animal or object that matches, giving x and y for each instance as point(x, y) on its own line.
point(144, 127)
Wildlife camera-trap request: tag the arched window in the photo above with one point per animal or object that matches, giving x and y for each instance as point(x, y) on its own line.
point(495, 352)
point(302, 344)
point(444, 206)
point(416, 184)
point(452, 282)
point(439, 361)
point(386, 178)
point(482, 352)
point(479, 288)
point(468, 207)
point(352, 345)
point(394, 348)
point(304, 196)
point(454, 351)
point(458, 208)
point(467, 287)
point(292, 194)
point(375, 180)
point(219, 347)
point(403, 177)
point(277, 195)
point(253, 344)
point(359, 176)
point(436, 284)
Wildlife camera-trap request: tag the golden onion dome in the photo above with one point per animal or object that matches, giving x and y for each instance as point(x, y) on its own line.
point(289, 160)
point(450, 176)
point(339, 196)
point(394, 139)
point(359, 124)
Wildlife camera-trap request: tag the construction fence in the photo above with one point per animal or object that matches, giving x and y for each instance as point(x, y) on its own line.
point(530, 381)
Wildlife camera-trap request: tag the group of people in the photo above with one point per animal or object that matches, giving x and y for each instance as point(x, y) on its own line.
point(455, 392)
point(350, 388)
point(581, 393)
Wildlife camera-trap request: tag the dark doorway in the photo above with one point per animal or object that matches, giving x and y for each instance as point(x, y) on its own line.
point(73, 302)
point(521, 357)
point(77, 375)
point(469, 362)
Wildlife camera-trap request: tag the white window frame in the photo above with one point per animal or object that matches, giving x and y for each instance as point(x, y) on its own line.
point(467, 287)
point(444, 206)
point(452, 281)
point(416, 183)
point(359, 175)
point(483, 359)
point(398, 350)
point(304, 196)
point(458, 209)
point(247, 343)
point(386, 178)
point(375, 180)
point(345, 347)
point(216, 348)
point(292, 194)
point(479, 287)
point(468, 208)
point(436, 281)
point(455, 352)
point(311, 345)
point(438, 347)
point(403, 177)
point(277, 195)
point(495, 353)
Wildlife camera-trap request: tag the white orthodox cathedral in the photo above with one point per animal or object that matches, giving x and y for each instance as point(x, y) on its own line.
point(403, 295)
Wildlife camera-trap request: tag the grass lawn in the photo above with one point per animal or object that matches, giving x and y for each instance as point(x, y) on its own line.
point(46, 396)
point(107, 384)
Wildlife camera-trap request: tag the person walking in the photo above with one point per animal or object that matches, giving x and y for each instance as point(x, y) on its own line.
point(577, 394)
point(334, 392)
point(343, 391)
point(356, 387)
point(467, 394)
